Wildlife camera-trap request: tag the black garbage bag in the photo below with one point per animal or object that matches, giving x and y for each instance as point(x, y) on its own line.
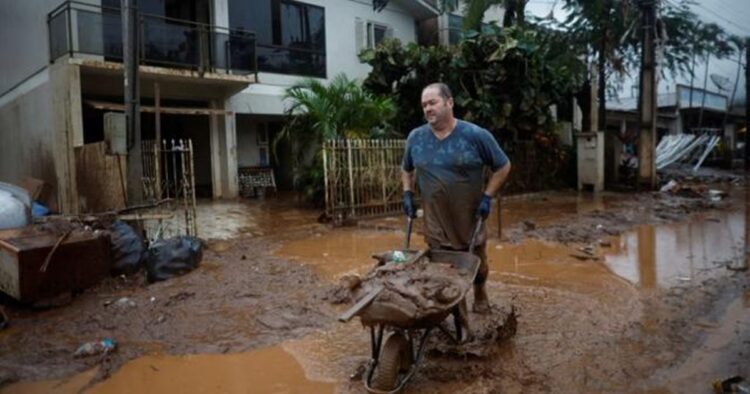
point(171, 257)
point(128, 250)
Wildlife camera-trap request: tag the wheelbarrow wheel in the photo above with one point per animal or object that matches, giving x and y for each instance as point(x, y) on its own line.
point(395, 357)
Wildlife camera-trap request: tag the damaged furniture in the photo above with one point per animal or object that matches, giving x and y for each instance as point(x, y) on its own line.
point(34, 267)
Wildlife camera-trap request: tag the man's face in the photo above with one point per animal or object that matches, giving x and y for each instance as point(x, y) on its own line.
point(436, 108)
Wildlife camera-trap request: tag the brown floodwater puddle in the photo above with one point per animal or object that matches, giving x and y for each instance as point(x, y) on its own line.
point(268, 370)
point(342, 251)
point(666, 256)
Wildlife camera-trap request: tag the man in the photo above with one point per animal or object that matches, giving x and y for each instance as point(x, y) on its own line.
point(449, 156)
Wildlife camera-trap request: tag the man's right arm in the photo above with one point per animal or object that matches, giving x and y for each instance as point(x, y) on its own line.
point(407, 180)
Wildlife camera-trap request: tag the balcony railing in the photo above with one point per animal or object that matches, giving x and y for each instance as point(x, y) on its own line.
point(79, 28)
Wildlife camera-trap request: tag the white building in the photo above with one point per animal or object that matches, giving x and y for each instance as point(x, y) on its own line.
point(220, 68)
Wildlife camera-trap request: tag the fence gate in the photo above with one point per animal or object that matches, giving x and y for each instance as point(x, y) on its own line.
point(169, 184)
point(362, 177)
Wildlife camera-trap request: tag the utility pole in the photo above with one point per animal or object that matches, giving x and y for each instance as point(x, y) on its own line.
point(647, 98)
point(132, 96)
point(747, 104)
point(602, 71)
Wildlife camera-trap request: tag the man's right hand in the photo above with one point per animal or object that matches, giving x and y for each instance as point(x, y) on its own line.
point(409, 209)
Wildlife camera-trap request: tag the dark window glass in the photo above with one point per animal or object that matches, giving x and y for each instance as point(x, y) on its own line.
point(252, 15)
point(454, 28)
point(302, 26)
point(290, 35)
point(379, 32)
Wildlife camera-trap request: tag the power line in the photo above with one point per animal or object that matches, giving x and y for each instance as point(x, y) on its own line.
point(742, 28)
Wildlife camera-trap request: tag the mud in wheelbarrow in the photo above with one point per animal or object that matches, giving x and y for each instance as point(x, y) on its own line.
point(407, 301)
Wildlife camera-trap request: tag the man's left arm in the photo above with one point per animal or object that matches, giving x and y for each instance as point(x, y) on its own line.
point(497, 180)
point(494, 157)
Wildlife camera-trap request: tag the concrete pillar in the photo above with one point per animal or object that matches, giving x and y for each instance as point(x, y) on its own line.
point(214, 130)
point(224, 153)
point(220, 18)
point(220, 13)
point(67, 126)
point(231, 186)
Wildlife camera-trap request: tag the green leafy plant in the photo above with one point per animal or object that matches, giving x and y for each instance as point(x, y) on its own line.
point(504, 80)
point(318, 112)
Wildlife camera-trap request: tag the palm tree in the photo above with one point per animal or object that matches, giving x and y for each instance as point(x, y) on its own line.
point(319, 112)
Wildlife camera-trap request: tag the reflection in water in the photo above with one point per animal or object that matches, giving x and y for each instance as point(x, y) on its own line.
point(647, 256)
point(667, 255)
point(546, 208)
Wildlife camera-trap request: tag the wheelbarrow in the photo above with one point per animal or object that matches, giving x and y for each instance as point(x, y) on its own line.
point(395, 360)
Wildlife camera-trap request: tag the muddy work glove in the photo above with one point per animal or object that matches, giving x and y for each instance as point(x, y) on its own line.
point(483, 210)
point(409, 208)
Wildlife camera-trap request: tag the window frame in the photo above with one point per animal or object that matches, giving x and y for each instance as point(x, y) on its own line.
point(370, 33)
point(277, 39)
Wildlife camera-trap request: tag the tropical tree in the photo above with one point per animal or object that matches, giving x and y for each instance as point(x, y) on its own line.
point(608, 32)
point(318, 112)
point(503, 79)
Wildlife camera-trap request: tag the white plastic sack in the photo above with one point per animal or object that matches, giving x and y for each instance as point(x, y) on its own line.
point(12, 211)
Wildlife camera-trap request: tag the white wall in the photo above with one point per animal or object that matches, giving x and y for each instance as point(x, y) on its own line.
point(26, 146)
point(247, 146)
point(341, 51)
point(23, 39)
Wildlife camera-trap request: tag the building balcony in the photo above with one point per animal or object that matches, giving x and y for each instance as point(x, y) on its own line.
point(91, 35)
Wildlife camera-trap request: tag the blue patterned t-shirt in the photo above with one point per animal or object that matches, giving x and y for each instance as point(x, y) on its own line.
point(450, 178)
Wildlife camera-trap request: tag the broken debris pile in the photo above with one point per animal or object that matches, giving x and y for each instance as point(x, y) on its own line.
point(415, 290)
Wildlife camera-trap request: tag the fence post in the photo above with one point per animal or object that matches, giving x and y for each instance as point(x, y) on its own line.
point(193, 209)
point(383, 145)
point(351, 174)
point(325, 177)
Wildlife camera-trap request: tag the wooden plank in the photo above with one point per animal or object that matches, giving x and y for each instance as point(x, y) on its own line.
point(103, 105)
point(99, 178)
point(361, 304)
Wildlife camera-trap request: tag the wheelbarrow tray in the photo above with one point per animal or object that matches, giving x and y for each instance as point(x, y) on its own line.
point(382, 312)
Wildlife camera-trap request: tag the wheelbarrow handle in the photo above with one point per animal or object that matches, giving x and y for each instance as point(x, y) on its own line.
point(475, 234)
point(409, 221)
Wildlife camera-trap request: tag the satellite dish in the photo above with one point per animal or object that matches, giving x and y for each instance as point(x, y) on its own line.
point(723, 83)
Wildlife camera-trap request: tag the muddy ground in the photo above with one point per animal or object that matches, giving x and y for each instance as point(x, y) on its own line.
point(594, 313)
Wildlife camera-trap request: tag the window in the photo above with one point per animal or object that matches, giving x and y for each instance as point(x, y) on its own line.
point(376, 33)
point(291, 35)
point(455, 23)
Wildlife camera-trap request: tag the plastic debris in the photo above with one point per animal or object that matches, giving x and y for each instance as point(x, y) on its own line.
point(128, 251)
point(12, 211)
point(105, 346)
point(172, 257)
point(38, 209)
point(399, 256)
point(735, 384)
point(671, 185)
point(125, 302)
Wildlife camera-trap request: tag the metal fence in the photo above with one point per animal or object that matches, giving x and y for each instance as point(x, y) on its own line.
point(76, 27)
point(362, 177)
point(169, 184)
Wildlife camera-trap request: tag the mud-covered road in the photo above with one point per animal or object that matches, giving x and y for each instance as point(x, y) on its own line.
point(620, 292)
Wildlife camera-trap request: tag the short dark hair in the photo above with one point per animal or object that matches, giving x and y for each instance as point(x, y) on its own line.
point(443, 89)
